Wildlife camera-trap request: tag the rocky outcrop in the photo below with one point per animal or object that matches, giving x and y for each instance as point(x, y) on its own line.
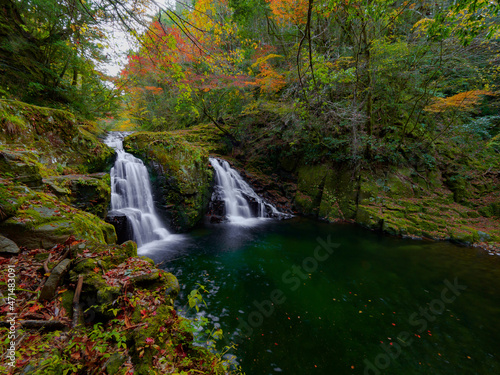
point(41, 204)
point(53, 140)
point(399, 201)
point(90, 193)
point(40, 220)
point(182, 176)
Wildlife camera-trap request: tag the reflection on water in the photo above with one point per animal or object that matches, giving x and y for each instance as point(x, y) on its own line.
point(375, 304)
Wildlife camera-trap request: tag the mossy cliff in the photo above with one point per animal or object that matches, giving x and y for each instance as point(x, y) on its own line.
point(401, 201)
point(49, 150)
point(181, 173)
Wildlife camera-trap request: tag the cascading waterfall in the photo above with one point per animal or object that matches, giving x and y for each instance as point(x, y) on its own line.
point(240, 201)
point(131, 194)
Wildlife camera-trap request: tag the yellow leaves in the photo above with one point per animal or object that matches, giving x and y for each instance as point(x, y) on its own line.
point(422, 25)
point(464, 101)
point(263, 59)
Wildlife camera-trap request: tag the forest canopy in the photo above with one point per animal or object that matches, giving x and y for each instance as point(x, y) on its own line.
point(345, 79)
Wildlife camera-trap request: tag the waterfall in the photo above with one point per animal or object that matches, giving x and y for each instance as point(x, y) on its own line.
point(131, 194)
point(234, 199)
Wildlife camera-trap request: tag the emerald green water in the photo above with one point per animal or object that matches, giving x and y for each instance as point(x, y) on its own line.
point(335, 316)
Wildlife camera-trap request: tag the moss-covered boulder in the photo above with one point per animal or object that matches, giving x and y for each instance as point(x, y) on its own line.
point(182, 175)
point(326, 191)
point(90, 193)
point(40, 220)
point(23, 165)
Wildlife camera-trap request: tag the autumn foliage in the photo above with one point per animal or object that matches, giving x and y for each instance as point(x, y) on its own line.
point(464, 101)
point(287, 12)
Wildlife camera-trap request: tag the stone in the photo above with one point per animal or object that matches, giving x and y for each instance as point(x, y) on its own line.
point(49, 288)
point(114, 362)
point(22, 166)
point(8, 246)
point(90, 193)
point(122, 226)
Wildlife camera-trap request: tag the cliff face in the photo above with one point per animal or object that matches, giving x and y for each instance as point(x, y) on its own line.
point(455, 195)
point(181, 174)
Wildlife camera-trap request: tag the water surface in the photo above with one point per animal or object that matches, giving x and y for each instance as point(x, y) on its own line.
point(375, 304)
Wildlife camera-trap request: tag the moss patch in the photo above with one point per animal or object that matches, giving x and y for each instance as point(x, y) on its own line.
point(41, 220)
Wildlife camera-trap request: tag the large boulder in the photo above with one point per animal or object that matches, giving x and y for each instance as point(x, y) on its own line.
point(40, 220)
point(8, 246)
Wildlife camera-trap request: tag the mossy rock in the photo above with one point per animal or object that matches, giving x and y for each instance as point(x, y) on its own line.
point(338, 200)
point(90, 193)
point(181, 173)
point(369, 217)
point(460, 186)
point(43, 221)
point(310, 185)
point(22, 166)
point(114, 362)
point(462, 235)
point(59, 140)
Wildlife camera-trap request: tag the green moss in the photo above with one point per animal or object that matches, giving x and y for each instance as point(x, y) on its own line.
point(42, 220)
point(129, 248)
point(67, 300)
point(310, 184)
point(90, 193)
point(55, 135)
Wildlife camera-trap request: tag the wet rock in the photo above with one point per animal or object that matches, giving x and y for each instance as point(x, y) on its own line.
point(122, 226)
point(181, 175)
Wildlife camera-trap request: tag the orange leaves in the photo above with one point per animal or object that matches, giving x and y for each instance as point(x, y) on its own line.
point(154, 90)
point(289, 11)
point(269, 80)
point(464, 101)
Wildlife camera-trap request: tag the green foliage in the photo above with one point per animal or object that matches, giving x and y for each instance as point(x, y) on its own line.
point(50, 52)
point(209, 337)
